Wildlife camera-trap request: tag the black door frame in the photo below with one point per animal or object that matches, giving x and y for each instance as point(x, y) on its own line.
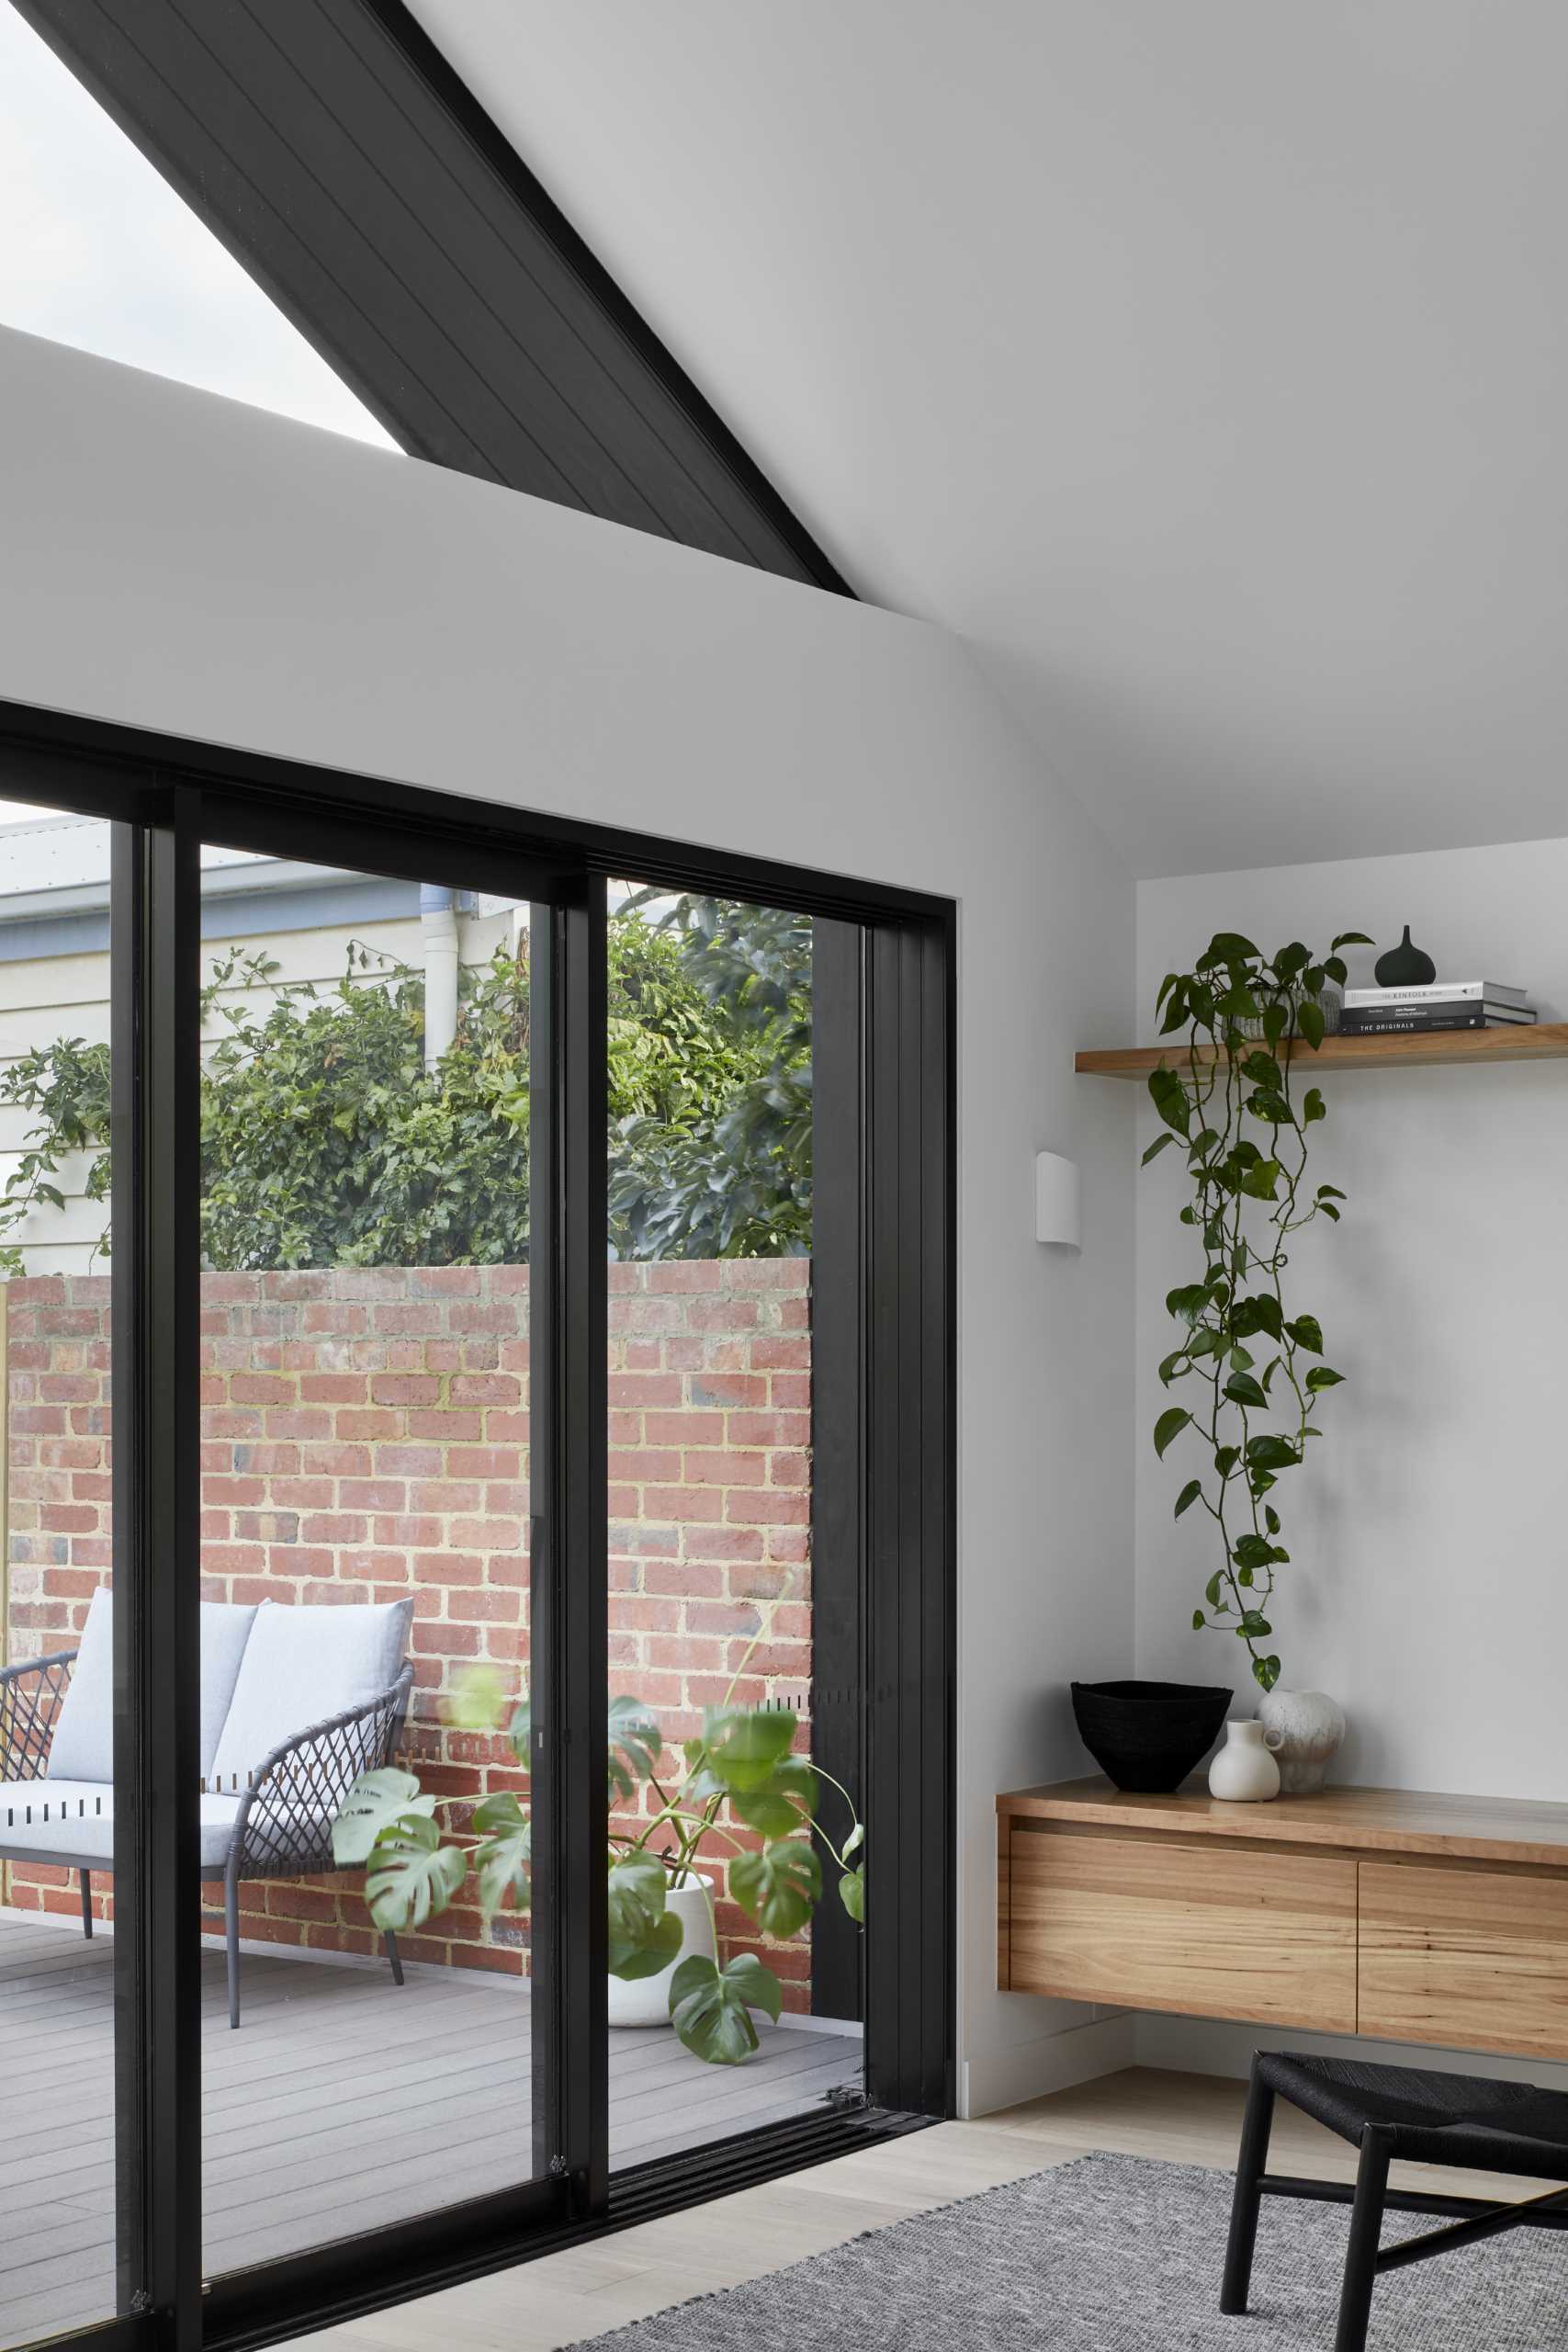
point(892, 1373)
point(153, 1351)
point(568, 1305)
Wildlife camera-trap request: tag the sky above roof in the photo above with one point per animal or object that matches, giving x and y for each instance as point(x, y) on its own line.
point(96, 250)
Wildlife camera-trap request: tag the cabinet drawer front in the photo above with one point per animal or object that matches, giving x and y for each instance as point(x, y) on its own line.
point(1167, 1925)
point(1475, 1959)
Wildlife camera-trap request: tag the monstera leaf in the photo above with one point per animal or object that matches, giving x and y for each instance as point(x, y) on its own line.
point(637, 1889)
point(635, 1741)
point(376, 1801)
point(710, 2008)
point(662, 1946)
point(478, 1700)
point(745, 1745)
point(504, 1859)
point(779, 1887)
point(789, 1792)
point(412, 1874)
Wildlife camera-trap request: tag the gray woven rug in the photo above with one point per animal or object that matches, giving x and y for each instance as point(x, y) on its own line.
point(1118, 2254)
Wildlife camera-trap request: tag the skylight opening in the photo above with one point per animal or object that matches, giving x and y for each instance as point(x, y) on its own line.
point(96, 250)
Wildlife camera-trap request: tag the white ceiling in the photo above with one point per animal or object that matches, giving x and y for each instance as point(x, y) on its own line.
point(1203, 362)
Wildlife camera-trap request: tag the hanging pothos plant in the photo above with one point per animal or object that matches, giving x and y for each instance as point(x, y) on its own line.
point(1250, 1361)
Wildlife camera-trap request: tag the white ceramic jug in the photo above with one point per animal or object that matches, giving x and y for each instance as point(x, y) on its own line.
point(1244, 1772)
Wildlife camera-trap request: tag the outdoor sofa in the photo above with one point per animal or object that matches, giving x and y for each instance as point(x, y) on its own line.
point(296, 1702)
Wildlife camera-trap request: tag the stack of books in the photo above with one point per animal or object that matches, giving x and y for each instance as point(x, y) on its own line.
point(1439, 1005)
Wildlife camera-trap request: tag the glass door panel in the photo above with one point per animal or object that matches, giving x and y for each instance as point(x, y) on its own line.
point(367, 2041)
point(722, 1856)
point(60, 1834)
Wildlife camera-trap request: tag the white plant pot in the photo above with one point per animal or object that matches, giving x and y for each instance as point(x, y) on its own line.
point(1301, 1731)
point(1244, 1772)
point(645, 2000)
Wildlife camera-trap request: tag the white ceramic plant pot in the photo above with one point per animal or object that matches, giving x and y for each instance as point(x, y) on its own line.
point(645, 2000)
point(1244, 1772)
point(1302, 1730)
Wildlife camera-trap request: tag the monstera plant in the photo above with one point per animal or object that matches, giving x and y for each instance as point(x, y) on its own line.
point(1250, 1359)
point(741, 1773)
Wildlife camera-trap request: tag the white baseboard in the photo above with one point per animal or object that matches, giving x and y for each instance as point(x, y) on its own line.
point(1210, 2046)
point(1053, 2062)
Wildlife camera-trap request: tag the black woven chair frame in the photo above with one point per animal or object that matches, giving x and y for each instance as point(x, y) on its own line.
point(283, 1827)
point(31, 1697)
point(1479, 2125)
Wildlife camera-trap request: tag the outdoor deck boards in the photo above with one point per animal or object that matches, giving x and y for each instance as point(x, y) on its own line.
point(342, 2104)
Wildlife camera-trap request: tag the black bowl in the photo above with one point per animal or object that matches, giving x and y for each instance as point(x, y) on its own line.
point(1148, 1735)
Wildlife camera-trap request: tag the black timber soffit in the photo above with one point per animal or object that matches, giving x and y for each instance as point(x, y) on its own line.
point(338, 156)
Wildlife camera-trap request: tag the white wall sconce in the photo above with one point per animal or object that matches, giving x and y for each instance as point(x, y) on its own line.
point(1057, 1212)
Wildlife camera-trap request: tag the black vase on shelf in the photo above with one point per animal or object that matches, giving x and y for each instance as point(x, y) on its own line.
point(1404, 966)
point(1148, 1735)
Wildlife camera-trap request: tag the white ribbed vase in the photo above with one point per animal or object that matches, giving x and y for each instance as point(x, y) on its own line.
point(1244, 1772)
point(1302, 1730)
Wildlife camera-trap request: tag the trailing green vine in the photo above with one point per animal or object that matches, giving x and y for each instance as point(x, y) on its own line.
point(1247, 1199)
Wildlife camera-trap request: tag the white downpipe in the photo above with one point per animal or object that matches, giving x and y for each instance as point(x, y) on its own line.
point(438, 925)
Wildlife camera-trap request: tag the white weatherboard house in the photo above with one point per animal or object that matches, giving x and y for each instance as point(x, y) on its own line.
point(54, 962)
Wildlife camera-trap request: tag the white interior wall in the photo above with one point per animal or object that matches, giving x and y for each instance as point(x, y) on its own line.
point(178, 561)
point(1425, 1588)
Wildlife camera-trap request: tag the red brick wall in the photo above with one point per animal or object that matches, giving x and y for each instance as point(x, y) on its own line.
point(365, 1436)
point(710, 1503)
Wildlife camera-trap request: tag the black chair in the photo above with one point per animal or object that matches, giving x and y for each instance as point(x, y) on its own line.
point(1388, 2112)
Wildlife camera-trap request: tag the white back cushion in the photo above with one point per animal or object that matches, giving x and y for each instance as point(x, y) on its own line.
point(302, 1665)
point(225, 1631)
point(83, 1745)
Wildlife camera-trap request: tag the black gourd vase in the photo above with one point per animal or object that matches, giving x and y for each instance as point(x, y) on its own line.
point(1404, 966)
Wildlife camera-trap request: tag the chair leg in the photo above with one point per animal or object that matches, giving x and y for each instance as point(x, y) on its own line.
point(1366, 2227)
point(391, 1943)
point(232, 1939)
point(86, 1877)
point(1252, 2162)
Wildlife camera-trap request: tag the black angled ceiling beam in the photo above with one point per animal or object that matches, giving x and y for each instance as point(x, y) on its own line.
point(340, 160)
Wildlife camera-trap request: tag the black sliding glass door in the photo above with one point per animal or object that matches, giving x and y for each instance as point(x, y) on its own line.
point(381, 1734)
point(67, 2052)
point(519, 1530)
point(737, 1771)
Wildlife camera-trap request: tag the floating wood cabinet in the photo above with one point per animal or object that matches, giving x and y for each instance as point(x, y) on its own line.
point(1412, 1918)
point(1165, 1926)
point(1467, 1957)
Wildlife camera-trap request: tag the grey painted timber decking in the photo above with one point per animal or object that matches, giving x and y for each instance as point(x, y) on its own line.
point(341, 2104)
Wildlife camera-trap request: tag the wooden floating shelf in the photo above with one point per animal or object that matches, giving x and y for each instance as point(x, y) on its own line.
point(1545, 1040)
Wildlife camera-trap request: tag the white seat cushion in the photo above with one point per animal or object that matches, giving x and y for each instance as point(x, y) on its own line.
point(82, 1748)
point(76, 1818)
point(302, 1665)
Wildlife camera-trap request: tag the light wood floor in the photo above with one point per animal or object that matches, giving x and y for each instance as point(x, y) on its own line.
point(1188, 2118)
